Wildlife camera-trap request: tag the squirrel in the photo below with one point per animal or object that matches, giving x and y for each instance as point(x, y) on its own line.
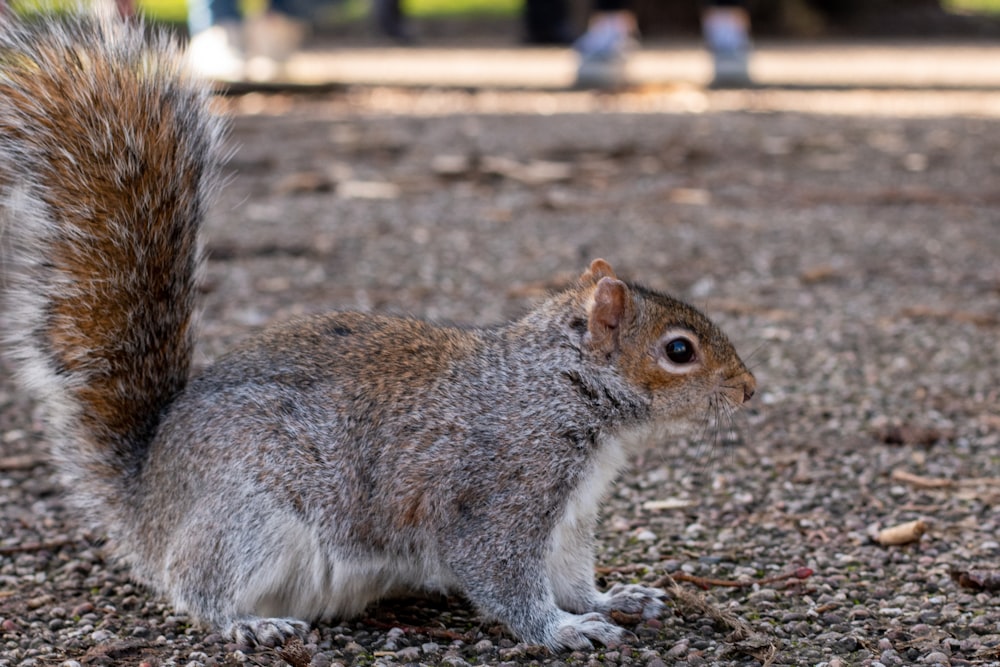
point(331, 460)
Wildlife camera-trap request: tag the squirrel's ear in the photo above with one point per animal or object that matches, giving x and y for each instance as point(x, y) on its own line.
point(607, 309)
point(598, 269)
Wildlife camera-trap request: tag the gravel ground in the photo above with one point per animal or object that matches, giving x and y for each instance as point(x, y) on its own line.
point(853, 258)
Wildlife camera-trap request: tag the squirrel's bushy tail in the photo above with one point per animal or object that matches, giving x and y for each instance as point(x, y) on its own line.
point(107, 156)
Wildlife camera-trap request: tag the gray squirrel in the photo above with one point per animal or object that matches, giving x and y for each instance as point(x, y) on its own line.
point(329, 461)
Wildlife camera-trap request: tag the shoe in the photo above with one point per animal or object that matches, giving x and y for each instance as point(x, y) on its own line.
point(601, 72)
point(727, 34)
point(603, 50)
point(216, 53)
point(731, 68)
point(271, 40)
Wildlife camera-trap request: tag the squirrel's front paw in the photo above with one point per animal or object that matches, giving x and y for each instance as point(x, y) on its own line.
point(634, 599)
point(266, 631)
point(575, 632)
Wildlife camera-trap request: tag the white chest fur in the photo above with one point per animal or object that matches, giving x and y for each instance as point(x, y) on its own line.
point(570, 561)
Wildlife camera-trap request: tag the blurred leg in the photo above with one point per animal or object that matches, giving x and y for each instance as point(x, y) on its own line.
point(726, 29)
point(216, 50)
point(547, 22)
point(390, 20)
point(604, 47)
point(274, 37)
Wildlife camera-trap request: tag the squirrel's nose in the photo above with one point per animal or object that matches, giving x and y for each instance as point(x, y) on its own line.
point(749, 387)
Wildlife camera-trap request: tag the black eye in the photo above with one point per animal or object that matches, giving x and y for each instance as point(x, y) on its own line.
point(680, 351)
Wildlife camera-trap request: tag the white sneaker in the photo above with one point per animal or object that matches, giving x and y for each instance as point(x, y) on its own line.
point(272, 39)
point(732, 69)
point(727, 34)
point(604, 49)
point(216, 53)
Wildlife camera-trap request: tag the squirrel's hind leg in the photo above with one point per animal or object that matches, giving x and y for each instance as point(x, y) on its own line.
point(257, 577)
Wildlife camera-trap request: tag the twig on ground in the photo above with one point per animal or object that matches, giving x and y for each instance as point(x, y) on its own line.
point(630, 568)
point(960, 316)
point(767, 655)
point(922, 482)
point(20, 462)
point(707, 582)
point(28, 547)
point(689, 601)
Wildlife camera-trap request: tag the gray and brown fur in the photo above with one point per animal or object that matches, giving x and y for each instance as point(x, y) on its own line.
point(329, 461)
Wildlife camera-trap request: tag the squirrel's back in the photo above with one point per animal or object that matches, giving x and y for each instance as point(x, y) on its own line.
point(107, 153)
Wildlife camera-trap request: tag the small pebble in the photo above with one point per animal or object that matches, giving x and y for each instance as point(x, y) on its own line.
point(409, 654)
point(764, 594)
point(320, 660)
point(513, 653)
point(678, 649)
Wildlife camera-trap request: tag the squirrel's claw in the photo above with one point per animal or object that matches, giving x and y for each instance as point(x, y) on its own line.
point(576, 631)
point(266, 631)
point(634, 599)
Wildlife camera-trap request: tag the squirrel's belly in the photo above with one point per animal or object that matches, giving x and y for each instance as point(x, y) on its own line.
point(307, 579)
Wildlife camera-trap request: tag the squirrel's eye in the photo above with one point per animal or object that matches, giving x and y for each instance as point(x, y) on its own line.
point(680, 351)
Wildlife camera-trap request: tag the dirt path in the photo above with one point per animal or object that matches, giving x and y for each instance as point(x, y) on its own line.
point(848, 242)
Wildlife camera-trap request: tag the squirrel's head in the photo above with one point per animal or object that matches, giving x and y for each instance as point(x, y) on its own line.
point(661, 346)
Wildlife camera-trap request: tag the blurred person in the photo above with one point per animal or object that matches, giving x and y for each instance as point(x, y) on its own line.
point(725, 27)
point(220, 38)
point(125, 8)
point(226, 46)
point(612, 33)
point(547, 22)
point(391, 21)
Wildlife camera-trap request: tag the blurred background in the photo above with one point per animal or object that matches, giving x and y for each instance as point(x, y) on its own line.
point(801, 18)
point(543, 43)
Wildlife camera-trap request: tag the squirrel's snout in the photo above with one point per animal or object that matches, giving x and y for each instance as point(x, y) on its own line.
point(749, 387)
point(741, 388)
